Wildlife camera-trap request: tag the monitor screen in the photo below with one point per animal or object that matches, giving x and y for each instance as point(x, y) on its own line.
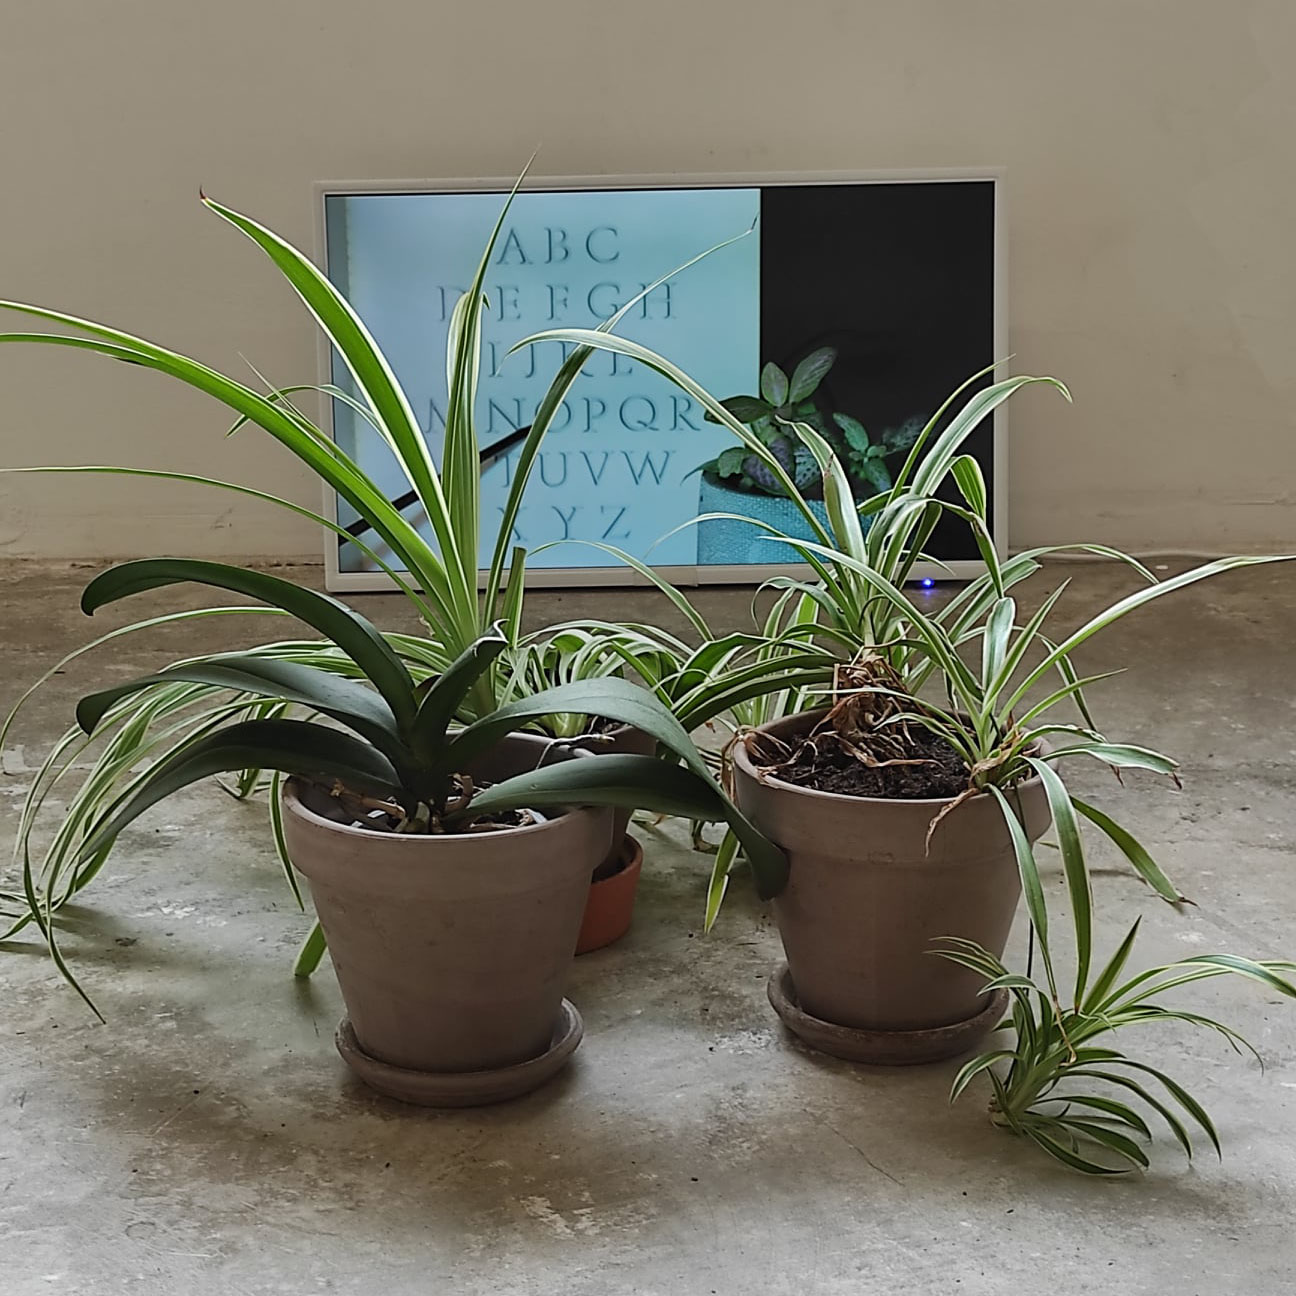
point(860, 305)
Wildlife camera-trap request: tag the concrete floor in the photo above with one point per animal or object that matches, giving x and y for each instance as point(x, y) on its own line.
point(209, 1140)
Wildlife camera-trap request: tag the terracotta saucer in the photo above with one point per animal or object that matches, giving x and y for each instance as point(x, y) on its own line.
point(464, 1088)
point(881, 1047)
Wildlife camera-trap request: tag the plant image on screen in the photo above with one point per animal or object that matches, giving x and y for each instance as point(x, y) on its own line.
point(736, 481)
point(854, 308)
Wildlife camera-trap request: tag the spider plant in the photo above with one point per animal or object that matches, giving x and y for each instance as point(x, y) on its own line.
point(993, 668)
point(815, 626)
point(1000, 710)
point(1055, 1085)
point(402, 764)
point(1002, 680)
point(437, 573)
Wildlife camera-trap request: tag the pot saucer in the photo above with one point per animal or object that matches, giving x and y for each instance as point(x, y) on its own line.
point(464, 1088)
point(880, 1047)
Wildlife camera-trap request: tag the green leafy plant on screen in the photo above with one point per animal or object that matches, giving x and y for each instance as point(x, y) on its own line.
point(784, 400)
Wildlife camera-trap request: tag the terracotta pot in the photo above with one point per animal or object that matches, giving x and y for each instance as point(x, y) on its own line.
point(629, 741)
point(610, 905)
point(865, 901)
point(451, 951)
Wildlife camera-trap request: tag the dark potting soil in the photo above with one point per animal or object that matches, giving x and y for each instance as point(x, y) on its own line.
point(377, 821)
point(359, 812)
point(825, 763)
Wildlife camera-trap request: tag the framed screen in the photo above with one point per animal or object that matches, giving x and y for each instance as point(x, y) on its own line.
point(861, 302)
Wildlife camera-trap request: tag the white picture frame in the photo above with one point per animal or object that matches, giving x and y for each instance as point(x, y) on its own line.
point(341, 581)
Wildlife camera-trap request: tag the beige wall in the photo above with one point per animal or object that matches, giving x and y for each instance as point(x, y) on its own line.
point(1150, 148)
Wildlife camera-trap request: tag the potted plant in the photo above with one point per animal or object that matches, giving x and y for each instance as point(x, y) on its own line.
point(878, 883)
point(449, 865)
point(720, 680)
point(563, 656)
point(738, 486)
point(436, 573)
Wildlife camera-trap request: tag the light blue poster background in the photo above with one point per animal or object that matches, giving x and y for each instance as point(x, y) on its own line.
point(620, 462)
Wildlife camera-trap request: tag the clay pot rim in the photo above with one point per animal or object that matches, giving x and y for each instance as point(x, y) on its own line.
point(742, 758)
point(298, 807)
point(632, 857)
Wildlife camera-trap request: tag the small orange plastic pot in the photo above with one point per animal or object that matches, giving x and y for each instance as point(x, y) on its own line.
point(610, 905)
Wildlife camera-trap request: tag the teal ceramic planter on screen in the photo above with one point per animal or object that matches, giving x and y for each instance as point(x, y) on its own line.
point(726, 542)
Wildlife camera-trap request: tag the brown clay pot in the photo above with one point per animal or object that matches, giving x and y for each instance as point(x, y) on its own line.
point(610, 905)
point(866, 900)
point(451, 951)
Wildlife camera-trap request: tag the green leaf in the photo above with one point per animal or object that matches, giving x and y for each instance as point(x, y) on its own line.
point(729, 462)
point(1097, 992)
point(774, 385)
point(1182, 1097)
point(1072, 688)
point(807, 376)
point(746, 409)
point(856, 435)
point(874, 471)
point(839, 501)
point(1262, 972)
point(967, 477)
point(1032, 887)
point(1166, 1114)
point(936, 463)
point(376, 379)
point(167, 619)
point(280, 838)
point(631, 782)
point(970, 1070)
point(1120, 1111)
point(726, 857)
point(460, 456)
point(902, 436)
point(157, 474)
point(994, 643)
point(311, 951)
point(619, 700)
point(308, 443)
point(445, 697)
point(351, 632)
point(290, 746)
point(1073, 865)
point(1143, 863)
point(40, 913)
point(345, 700)
point(1122, 755)
point(1069, 1158)
point(1113, 1140)
point(995, 683)
point(1009, 981)
point(514, 593)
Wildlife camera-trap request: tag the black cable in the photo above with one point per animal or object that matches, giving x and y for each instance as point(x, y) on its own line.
point(485, 458)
